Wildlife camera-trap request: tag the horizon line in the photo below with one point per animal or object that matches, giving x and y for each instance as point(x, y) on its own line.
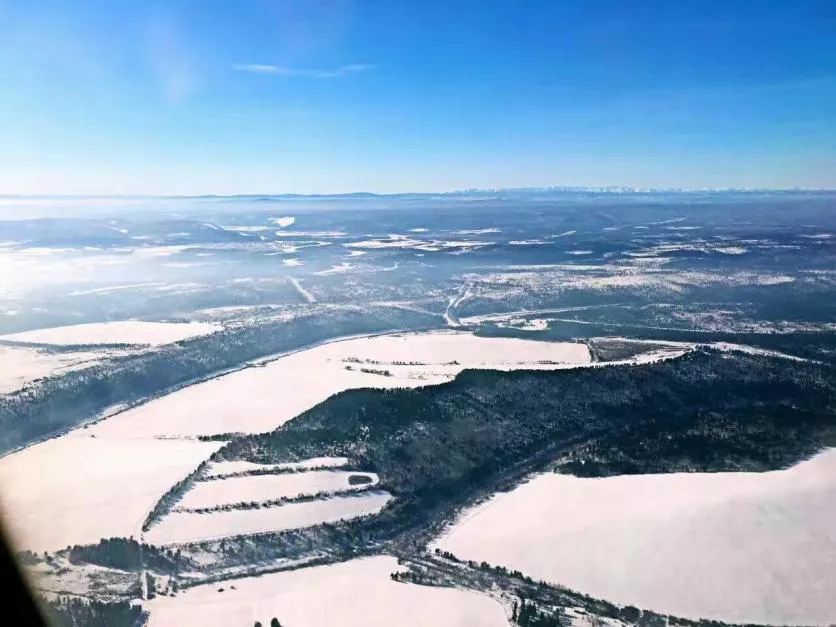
point(611, 189)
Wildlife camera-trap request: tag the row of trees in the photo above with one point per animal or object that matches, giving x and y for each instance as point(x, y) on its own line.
point(275, 470)
point(172, 496)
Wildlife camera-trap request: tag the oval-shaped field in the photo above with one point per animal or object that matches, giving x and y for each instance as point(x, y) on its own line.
point(219, 492)
point(180, 527)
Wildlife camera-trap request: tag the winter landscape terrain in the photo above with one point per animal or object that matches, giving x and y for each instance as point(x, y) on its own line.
point(521, 407)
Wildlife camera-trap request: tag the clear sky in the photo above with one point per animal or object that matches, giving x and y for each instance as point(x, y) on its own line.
point(322, 96)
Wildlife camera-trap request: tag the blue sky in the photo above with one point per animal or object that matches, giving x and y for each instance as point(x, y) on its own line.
point(325, 96)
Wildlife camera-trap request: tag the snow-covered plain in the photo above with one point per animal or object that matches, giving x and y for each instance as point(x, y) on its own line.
point(284, 388)
point(179, 527)
point(269, 487)
point(351, 594)
point(121, 332)
point(739, 547)
point(283, 222)
point(77, 489)
point(101, 481)
point(20, 365)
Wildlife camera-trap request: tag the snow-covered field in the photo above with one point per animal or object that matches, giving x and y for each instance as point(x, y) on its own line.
point(269, 487)
point(121, 332)
point(20, 365)
point(179, 527)
point(283, 222)
point(226, 468)
point(255, 400)
point(740, 547)
point(101, 481)
point(77, 489)
point(358, 593)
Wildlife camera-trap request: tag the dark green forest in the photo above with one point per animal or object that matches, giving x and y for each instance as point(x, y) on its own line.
point(70, 612)
point(127, 554)
point(434, 448)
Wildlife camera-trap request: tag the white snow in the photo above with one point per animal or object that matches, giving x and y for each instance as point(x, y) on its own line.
point(305, 293)
point(255, 400)
point(77, 489)
point(646, 272)
point(478, 231)
point(753, 350)
point(311, 234)
point(393, 241)
point(458, 244)
point(269, 487)
point(337, 269)
point(225, 468)
point(358, 593)
point(247, 229)
point(402, 241)
point(536, 324)
point(283, 222)
point(20, 365)
point(159, 251)
point(114, 288)
point(179, 527)
point(739, 547)
point(700, 247)
point(121, 332)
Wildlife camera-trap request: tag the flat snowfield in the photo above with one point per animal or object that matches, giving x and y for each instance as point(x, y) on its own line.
point(180, 527)
point(78, 490)
point(737, 547)
point(358, 593)
point(224, 469)
point(268, 487)
point(122, 332)
point(20, 365)
point(256, 400)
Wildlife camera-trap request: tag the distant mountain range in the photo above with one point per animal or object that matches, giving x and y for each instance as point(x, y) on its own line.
point(614, 189)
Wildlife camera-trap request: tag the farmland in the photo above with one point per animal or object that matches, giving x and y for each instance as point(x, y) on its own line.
point(79, 489)
point(266, 487)
point(371, 469)
point(584, 410)
point(692, 544)
point(183, 527)
point(124, 332)
point(359, 593)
